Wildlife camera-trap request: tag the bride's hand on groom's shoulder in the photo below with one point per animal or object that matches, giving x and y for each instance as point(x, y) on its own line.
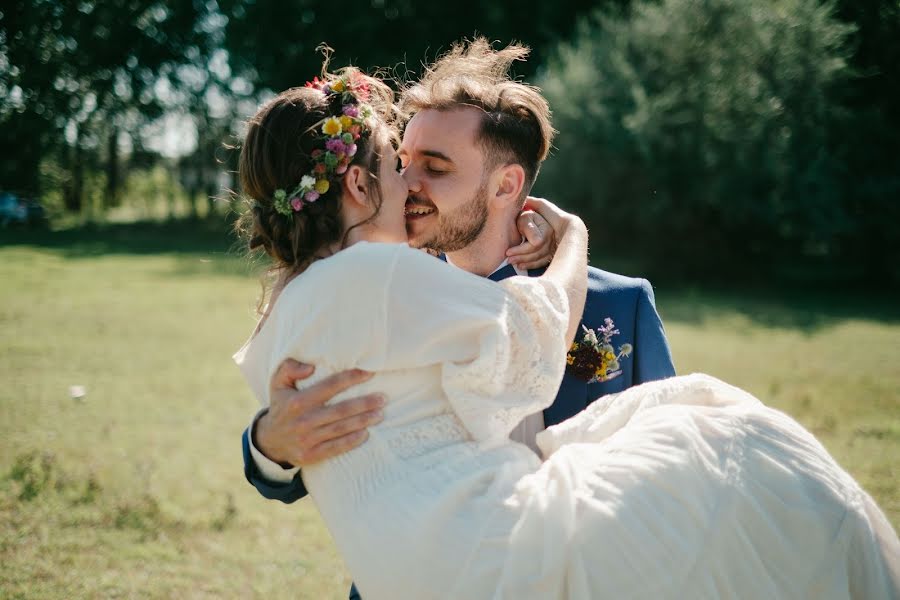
point(300, 430)
point(538, 242)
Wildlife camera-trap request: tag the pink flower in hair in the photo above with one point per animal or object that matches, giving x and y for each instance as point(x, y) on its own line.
point(351, 110)
point(296, 203)
point(312, 196)
point(335, 145)
point(341, 168)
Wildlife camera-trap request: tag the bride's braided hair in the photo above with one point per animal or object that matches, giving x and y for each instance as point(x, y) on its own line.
point(278, 150)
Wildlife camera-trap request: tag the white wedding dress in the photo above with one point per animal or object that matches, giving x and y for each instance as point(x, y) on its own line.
point(685, 488)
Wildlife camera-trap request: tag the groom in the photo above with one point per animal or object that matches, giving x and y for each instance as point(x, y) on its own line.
point(470, 154)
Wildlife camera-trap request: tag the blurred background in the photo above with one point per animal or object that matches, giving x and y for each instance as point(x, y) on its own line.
point(743, 154)
point(755, 138)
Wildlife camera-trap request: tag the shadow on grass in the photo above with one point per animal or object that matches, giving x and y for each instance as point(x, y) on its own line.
point(210, 247)
point(199, 247)
point(140, 238)
point(808, 310)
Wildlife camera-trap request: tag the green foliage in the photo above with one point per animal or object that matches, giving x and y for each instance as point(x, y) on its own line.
point(273, 42)
point(86, 70)
point(870, 146)
point(700, 132)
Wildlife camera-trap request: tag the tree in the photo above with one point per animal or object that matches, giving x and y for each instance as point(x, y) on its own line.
point(273, 42)
point(79, 73)
point(698, 131)
point(870, 146)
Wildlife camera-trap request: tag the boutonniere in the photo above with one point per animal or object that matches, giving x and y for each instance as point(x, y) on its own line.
point(594, 359)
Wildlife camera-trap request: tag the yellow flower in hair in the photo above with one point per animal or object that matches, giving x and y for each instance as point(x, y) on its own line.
point(332, 126)
point(322, 186)
point(346, 122)
point(338, 85)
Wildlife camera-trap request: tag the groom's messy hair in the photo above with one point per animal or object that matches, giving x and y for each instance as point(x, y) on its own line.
point(516, 125)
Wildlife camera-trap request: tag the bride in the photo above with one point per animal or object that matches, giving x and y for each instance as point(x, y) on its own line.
point(684, 488)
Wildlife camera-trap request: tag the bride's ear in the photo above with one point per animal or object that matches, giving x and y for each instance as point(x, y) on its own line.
point(356, 186)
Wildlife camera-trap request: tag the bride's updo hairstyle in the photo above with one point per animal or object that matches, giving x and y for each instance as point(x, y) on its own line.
point(297, 149)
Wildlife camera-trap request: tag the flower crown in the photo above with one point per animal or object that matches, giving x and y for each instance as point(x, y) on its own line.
point(337, 144)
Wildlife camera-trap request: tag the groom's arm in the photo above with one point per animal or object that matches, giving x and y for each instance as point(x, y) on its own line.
point(653, 358)
point(273, 481)
point(299, 428)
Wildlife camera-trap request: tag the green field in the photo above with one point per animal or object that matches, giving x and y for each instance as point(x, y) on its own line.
point(136, 489)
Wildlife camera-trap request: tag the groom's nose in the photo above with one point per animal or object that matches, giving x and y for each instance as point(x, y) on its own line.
point(413, 181)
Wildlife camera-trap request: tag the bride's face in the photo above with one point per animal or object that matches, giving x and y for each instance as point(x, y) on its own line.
point(390, 223)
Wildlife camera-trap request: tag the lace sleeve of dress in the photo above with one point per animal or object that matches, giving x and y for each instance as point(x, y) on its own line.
point(519, 364)
point(500, 346)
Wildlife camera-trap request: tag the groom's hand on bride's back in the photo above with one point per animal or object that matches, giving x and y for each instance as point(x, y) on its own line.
point(300, 430)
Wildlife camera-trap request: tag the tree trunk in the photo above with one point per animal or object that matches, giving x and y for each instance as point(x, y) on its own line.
point(211, 191)
point(113, 175)
point(172, 186)
point(74, 192)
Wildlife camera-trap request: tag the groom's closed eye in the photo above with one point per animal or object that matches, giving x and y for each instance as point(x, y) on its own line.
point(434, 170)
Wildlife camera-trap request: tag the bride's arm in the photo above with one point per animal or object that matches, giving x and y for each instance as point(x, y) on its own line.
point(569, 265)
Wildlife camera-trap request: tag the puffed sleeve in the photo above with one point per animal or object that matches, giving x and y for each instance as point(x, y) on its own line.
point(500, 346)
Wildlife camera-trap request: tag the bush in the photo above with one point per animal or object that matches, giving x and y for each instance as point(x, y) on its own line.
point(702, 132)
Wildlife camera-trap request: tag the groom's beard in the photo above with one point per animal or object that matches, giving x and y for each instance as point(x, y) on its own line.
point(458, 229)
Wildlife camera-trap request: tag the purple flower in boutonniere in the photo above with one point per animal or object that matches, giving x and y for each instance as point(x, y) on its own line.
point(594, 359)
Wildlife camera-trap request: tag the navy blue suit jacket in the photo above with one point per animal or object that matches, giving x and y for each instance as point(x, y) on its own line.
point(629, 302)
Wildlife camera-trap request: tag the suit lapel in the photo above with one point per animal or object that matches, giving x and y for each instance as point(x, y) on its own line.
point(502, 273)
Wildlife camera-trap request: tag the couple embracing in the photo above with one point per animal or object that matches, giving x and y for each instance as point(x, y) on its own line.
point(512, 433)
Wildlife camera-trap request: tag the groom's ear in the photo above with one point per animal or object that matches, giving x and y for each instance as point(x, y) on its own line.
point(508, 180)
point(356, 186)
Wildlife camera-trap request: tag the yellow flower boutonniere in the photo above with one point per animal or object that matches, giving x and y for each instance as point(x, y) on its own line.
point(593, 359)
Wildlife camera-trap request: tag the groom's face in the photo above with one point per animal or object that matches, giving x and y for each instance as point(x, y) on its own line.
point(444, 166)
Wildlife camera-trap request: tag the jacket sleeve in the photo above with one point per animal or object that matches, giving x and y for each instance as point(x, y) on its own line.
point(286, 492)
point(653, 358)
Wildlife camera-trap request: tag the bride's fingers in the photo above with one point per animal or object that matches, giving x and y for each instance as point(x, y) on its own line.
point(549, 211)
point(534, 260)
point(529, 225)
point(533, 253)
point(534, 241)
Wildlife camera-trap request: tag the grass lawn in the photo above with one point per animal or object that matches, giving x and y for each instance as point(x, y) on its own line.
point(136, 489)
